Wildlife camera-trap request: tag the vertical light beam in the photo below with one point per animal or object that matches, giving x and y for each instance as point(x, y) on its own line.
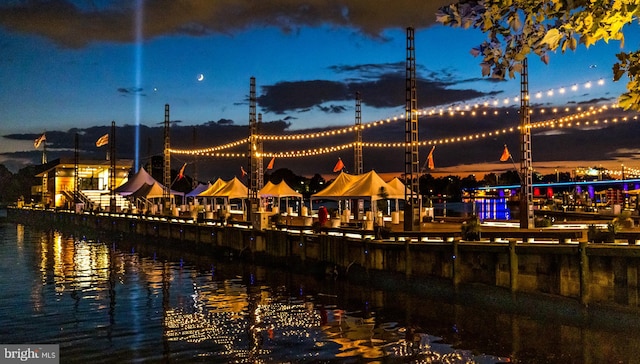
point(139, 13)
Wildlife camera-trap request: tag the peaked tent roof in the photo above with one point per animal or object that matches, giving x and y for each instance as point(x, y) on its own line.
point(201, 187)
point(155, 190)
point(337, 188)
point(396, 187)
point(281, 189)
point(233, 189)
point(134, 183)
point(210, 192)
point(368, 186)
point(266, 190)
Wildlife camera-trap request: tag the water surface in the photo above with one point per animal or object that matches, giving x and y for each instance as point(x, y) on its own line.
point(118, 301)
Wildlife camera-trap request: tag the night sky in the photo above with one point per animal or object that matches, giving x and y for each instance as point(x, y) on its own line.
point(75, 66)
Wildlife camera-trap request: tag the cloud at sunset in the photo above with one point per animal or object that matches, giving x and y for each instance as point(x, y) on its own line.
point(380, 86)
point(76, 24)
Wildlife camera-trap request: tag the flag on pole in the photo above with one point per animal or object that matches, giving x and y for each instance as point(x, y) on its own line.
point(181, 172)
point(430, 163)
point(242, 171)
point(505, 154)
point(39, 140)
point(103, 140)
point(339, 165)
point(270, 165)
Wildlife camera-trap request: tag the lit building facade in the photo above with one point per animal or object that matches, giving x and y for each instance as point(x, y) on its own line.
point(58, 182)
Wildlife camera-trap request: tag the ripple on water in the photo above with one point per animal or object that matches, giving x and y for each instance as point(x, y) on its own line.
point(108, 305)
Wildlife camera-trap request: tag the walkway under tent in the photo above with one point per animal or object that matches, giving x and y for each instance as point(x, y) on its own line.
point(145, 193)
point(275, 193)
point(365, 187)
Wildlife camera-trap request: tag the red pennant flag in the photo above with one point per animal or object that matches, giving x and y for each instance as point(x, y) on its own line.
point(103, 140)
point(37, 142)
point(505, 154)
point(242, 171)
point(270, 165)
point(430, 163)
point(339, 166)
point(181, 173)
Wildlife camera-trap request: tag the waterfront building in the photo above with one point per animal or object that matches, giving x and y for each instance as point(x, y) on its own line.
point(58, 180)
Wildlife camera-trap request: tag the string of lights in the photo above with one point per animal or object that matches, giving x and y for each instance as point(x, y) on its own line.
point(307, 152)
point(552, 92)
point(623, 172)
point(451, 110)
point(218, 155)
point(567, 121)
point(573, 120)
point(211, 150)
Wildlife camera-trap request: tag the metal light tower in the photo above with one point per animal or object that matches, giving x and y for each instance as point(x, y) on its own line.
point(166, 195)
point(259, 158)
point(45, 176)
point(526, 169)
point(253, 151)
point(112, 169)
point(76, 173)
point(357, 147)
point(411, 161)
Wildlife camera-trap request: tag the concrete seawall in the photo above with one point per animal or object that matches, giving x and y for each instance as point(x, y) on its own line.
point(589, 273)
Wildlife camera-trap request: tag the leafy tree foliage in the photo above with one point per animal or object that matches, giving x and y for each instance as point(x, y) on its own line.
point(516, 28)
point(14, 186)
point(293, 180)
point(317, 183)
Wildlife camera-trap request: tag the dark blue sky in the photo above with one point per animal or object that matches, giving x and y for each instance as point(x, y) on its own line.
point(76, 64)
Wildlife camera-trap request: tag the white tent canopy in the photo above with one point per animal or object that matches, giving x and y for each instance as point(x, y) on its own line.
point(229, 190)
point(281, 189)
point(397, 188)
point(134, 183)
point(337, 188)
point(366, 186)
point(201, 187)
point(369, 186)
point(213, 188)
point(232, 189)
point(277, 192)
point(155, 190)
point(143, 186)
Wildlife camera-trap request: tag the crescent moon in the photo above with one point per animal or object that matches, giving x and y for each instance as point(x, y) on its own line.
point(200, 77)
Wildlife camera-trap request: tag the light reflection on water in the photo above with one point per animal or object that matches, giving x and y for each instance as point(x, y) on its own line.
point(124, 302)
point(102, 303)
